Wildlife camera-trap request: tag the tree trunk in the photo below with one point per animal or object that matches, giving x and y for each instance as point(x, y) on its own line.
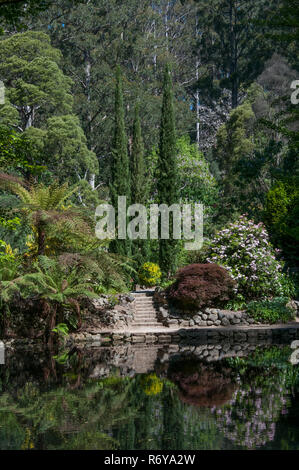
point(52, 322)
point(233, 55)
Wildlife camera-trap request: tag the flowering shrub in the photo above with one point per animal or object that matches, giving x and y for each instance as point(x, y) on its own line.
point(6, 252)
point(243, 248)
point(201, 285)
point(9, 262)
point(152, 385)
point(149, 274)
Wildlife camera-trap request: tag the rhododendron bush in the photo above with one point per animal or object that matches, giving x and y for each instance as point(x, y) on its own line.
point(243, 248)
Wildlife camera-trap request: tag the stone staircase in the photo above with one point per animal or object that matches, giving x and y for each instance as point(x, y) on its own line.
point(145, 312)
point(145, 357)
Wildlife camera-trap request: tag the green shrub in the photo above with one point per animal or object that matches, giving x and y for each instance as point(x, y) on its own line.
point(281, 216)
point(271, 311)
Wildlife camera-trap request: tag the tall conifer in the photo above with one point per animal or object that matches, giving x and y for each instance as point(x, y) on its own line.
point(167, 173)
point(138, 180)
point(139, 186)
point(120, 173)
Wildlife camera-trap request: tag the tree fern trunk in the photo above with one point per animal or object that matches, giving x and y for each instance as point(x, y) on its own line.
point(41, 240)
point(52, 322)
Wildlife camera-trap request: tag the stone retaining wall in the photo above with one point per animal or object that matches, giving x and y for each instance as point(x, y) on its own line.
point(115, 311)
point(208, 317)
point(171, 316)
point(192, 336)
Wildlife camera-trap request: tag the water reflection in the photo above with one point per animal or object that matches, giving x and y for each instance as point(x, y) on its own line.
point(207, 396)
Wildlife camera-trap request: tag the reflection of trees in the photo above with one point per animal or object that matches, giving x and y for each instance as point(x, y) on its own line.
point(164, 422)
point(64, 418)
point(249, 419)
point(200, 405)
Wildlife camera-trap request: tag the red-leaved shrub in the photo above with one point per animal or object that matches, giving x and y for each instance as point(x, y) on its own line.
point(201, 285)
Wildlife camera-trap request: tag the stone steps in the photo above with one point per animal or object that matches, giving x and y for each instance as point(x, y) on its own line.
point(145, 312)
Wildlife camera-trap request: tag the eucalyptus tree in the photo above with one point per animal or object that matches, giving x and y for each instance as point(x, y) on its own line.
point(120, 168)
point(96, 35)
point(233, 37)
point(39, 104)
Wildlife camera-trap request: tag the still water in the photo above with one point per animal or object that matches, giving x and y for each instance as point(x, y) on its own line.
point(206, 396)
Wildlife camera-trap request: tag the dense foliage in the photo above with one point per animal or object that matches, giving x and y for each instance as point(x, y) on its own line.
point(162, 102)
point(282, 216)
point(271, 311)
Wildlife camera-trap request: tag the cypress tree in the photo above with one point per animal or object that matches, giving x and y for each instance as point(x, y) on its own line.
point(137, 163)
point(167, 184)
point(120, 173)
point(139, 186)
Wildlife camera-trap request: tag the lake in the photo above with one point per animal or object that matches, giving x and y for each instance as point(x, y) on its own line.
point(151, 397)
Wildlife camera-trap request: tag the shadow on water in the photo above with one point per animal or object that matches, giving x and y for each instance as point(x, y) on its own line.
point(177, 396)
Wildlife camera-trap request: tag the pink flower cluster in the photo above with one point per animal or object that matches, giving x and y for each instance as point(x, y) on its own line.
point(243, 249)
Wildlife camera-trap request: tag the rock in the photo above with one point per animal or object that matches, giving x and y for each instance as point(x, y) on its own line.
point(213, 317)
point(164, 357)
point(213, 311)
point(212, 333)
point(151, 339)
point(138, 339)
point(2, 353)
point(204, 316)
point(252, 333)
point(226, 347)
point(240, 337)
point(225, 321)
point(117, 337)
point(164, 313)
point(235, 321)
point(191, 323)
point(215, 354)
point(164, 339)
point(175, 338)
point(218, 322)
point(210, 322)
point(292, 305)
